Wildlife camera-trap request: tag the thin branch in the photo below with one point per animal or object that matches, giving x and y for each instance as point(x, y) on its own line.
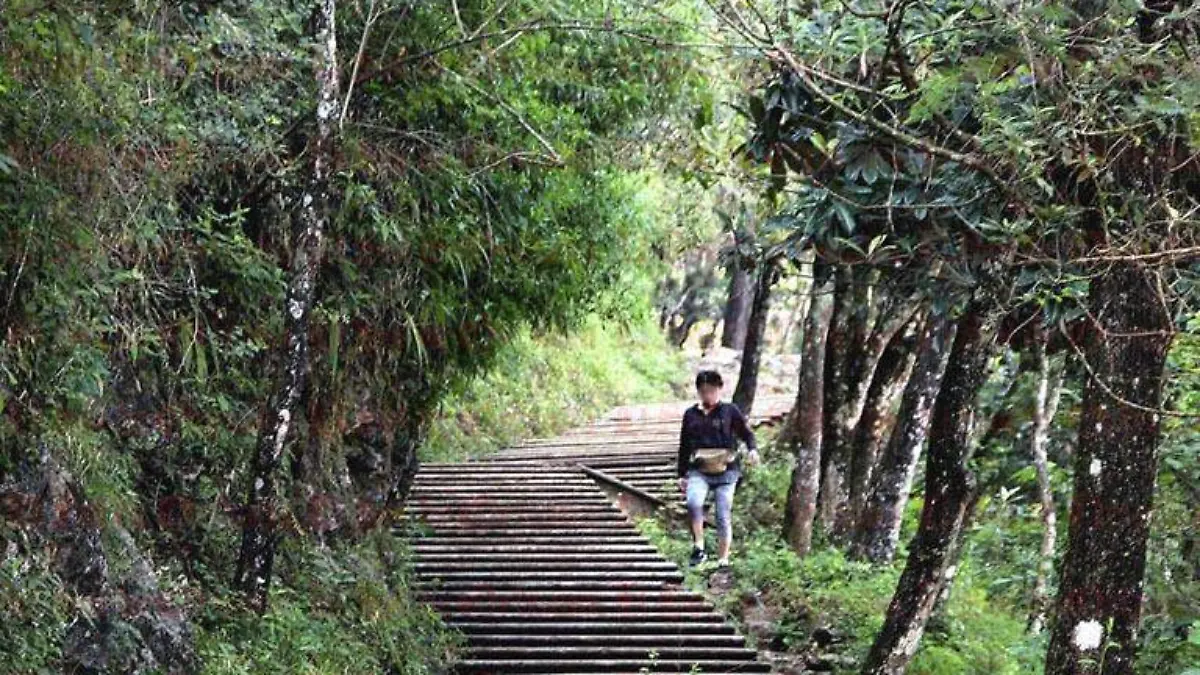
point(1108, 390)
point(457, 18)
point(648, 38)
point(897, 134)
point(557, 158)
point(372, 17)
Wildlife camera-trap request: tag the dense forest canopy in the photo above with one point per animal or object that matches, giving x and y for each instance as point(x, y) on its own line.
point(251, 252)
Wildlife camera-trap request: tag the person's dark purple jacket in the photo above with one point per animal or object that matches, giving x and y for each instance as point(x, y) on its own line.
point(718, 428)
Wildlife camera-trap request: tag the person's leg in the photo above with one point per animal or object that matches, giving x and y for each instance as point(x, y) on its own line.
point(697, 492)
point(724, 509)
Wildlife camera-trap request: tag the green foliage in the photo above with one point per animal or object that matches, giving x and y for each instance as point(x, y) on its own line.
point(341, 610)
point(542, 384)
point(485, 190)
point(34, 613)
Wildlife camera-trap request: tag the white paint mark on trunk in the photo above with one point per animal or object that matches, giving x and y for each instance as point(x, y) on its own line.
point(1087, 635)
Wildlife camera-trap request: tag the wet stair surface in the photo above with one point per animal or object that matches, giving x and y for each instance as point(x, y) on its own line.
point(538, 567)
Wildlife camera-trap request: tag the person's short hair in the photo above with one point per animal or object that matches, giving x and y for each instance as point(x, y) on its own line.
point(708, 377)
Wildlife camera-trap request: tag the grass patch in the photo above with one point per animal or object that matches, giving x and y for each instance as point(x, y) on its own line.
point(543, 384)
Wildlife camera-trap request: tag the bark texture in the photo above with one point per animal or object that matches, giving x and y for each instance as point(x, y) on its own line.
point(864, 321)
point(743, 393)
point(1100, 588)
point(843, 359)
point(895, 367)
point(878, 531)
point(1046, 399)
point(741, 295)
point(949, 487)
point(802, 434)
point(259, 535)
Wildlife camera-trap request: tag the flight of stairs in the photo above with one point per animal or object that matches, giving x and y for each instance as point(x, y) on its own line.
point(525, 554)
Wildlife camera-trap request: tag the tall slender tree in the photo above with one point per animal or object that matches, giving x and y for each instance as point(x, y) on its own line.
point(949, 488)
point(1049, 387)
point(801, 436)
point(259, 532)
point(766, 278)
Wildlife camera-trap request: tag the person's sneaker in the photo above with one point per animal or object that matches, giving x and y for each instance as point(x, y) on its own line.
point(723, 563)
point(698, 556)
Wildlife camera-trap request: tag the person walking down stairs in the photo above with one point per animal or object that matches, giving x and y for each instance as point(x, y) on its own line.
point(709, 461)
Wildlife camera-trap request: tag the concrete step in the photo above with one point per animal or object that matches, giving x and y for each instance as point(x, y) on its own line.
point(668, 628)
point(642, 616)
point(527, 553)
point(421, 566)
point(421, 547)
point(597, 607)
point(557, 575)
point(558, 596)
point(538, 559)
point(581, 666)
point(546, 585)
point(649, 639)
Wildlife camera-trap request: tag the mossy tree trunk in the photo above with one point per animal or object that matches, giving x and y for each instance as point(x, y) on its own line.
point(893, 371)
point(739, 303)
point(878, 528)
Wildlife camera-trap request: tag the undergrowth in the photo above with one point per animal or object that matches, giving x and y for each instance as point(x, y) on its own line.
point(977, 634)
point(542, 384)
point(339, 609)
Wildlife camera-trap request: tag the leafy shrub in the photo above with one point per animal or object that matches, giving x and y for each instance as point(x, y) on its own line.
point(34, 611)
point(336, 610)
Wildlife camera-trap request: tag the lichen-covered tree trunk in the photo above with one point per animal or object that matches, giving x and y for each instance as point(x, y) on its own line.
point(259, 536)
point(738, 306)
point(843, 346)
point(949, 486)
point(878, 530)
point(1049, 387)
point(743, 393)
point(891, 374)
point(865, 320)
point(1100, 582)
point(802, 434)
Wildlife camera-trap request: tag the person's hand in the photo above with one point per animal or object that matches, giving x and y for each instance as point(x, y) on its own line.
point(683, 484)
point(752, 459)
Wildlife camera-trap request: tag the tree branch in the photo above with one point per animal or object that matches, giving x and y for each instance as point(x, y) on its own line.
point(781, 54)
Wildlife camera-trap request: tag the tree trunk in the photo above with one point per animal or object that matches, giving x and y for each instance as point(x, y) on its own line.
point(1045, 407)
point(878, 531)
point(1100, 588)
point(741, 295)
point(895, 367)
point(743, 393)
point(949, 486)
point(847, 329)
point(802, 434)
point(862, 326)
point(259, 536)
point(799, 308)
